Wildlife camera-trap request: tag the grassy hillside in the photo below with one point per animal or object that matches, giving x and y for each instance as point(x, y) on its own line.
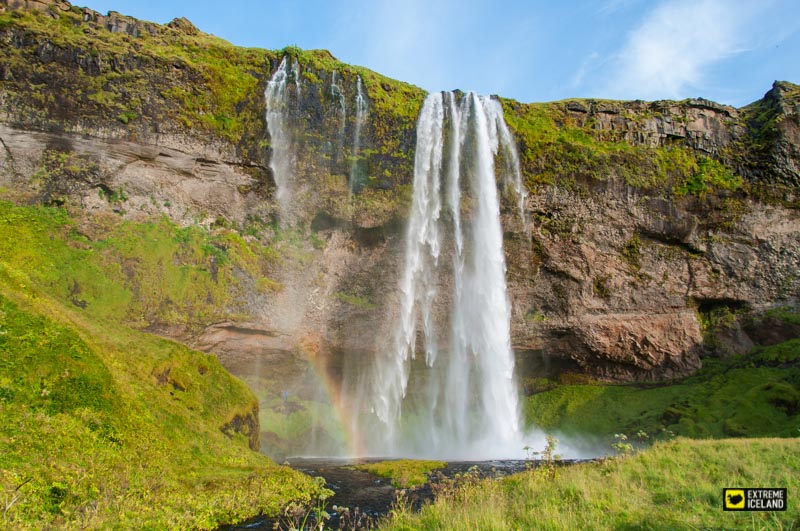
point(105, 427)
point(133, 272)
point(674, 485)
point(752, 396)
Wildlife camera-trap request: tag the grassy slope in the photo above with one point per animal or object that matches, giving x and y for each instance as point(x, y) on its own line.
point(137, 273)
point(674, 485)
point(102, 426)
point(755, 395)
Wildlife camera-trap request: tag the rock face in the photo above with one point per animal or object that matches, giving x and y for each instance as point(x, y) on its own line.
point(247, 425)
point(44, 6)
point(774, 135)
point(627, 254)
point(616, 281)
point(113, 21)
point(180, 181)
point(696, 123)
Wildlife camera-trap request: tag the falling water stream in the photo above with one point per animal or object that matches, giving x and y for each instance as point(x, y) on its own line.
point(337, 93)
point(445, 386)
point(362, 109)
point(282, 160)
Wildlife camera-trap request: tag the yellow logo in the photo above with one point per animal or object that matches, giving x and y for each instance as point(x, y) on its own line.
point(734, 499)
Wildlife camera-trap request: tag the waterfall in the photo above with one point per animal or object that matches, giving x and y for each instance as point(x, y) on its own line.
point(460, 399)
point(278, 106)
point(298, 82)
point(338, 94)
point(512, 165)
point(361, 115)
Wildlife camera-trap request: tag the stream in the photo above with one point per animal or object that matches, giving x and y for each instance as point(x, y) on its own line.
point(360, 498)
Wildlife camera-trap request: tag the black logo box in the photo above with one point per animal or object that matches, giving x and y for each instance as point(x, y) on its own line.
point(758, 499)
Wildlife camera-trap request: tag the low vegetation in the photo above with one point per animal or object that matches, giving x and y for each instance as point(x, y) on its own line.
point(105, 427)
point(404, 473)
point(559, 149)
point(133, 272)
point(675, 485)
point(741, 396)
point(357, 301)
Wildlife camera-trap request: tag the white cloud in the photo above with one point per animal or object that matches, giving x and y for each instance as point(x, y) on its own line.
point(674, 46)
point(400, 40)
point(588, 64)
point(438, 45)
point(613, 6)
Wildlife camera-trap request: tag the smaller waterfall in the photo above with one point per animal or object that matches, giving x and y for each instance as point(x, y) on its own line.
point(361, 115)
point(298, 82)
point(282, 161)
point(338, 94)
point(509, 148)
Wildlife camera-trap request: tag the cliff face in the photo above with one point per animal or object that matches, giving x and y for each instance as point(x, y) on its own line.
point(651, 222)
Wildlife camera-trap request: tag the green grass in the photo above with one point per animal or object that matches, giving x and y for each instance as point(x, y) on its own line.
point(134, 272)
point(102, 426)
point(556, 150)
point(703, 176)
point(105, 427)
point(785, 313)
point(550, 153)
point(746, 396)
point(404, 473)
point(356, 300)
point(674, 485)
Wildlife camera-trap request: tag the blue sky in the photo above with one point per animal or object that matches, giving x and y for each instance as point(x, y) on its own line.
point(728, 51)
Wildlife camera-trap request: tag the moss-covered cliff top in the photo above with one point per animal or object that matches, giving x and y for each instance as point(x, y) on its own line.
point(70, 68)
point(64, 65)
point(67, 68)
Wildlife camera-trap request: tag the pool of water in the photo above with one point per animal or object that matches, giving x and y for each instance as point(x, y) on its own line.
point(360, 499)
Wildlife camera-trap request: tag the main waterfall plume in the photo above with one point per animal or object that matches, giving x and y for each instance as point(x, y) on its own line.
point(459, 398)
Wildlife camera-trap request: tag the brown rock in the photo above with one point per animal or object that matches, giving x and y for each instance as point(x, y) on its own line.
point(184, 26)
point(640, 346)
